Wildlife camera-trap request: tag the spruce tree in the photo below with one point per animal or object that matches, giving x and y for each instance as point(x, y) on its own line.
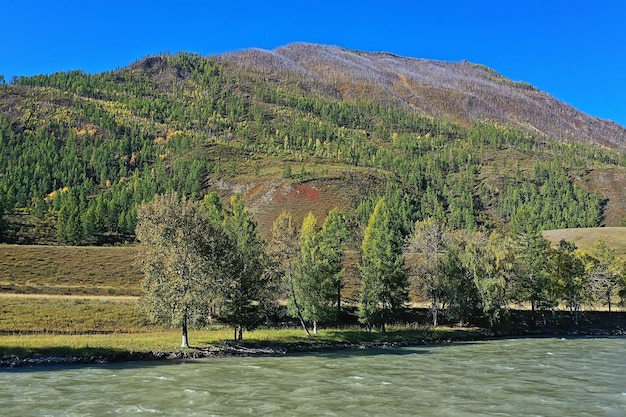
point(532, 252)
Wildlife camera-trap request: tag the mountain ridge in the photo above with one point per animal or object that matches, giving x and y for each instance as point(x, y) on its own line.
point(463, 92)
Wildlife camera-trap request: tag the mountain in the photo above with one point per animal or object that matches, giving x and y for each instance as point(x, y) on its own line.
point(461, 92)
point(304, 127)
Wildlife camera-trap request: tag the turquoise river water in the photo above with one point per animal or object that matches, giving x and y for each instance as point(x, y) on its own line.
point(514, 377)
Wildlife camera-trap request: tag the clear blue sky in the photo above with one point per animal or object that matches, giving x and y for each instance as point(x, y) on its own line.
point(574, 50)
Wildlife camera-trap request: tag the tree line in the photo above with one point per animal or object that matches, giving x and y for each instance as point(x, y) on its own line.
point(206, 263)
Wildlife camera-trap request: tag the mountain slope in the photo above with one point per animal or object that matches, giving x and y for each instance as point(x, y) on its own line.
point(462, 92)
point(302, 128)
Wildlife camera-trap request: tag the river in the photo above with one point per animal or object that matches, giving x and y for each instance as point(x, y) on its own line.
point(512, 377)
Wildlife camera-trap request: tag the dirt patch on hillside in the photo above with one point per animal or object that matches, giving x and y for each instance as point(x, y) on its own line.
point(298, 192)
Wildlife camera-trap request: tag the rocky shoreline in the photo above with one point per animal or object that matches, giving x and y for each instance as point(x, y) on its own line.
point(231, 349)
point(228, 350)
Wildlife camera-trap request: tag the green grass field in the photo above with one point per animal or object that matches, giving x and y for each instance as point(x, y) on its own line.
point(168, 340)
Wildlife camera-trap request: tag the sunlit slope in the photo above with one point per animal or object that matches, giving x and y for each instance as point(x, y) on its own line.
point(585, 237)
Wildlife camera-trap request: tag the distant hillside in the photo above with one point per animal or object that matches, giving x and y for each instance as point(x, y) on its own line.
point(305, 127)
point(462, 92)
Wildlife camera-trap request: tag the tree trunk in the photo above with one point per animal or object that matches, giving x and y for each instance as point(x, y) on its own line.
point(315, 327)
point(297, 307)
point(338, 301)
point(240, 332)
point(304, 326)
point(433, 309)
point(185, 341)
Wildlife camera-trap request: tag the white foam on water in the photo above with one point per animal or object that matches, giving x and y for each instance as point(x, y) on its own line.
point(138, 409)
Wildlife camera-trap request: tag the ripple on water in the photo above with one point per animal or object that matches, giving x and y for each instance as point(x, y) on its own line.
point(512, 377)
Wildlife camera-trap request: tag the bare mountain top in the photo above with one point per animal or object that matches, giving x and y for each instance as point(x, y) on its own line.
point(459, 91)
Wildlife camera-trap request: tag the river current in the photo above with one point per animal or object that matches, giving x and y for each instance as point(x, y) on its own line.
point(513, 377)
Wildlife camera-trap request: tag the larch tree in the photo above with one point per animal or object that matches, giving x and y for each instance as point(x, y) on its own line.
point(318, 272)
point(180, 255)
point(384, 279)
point(333, 236)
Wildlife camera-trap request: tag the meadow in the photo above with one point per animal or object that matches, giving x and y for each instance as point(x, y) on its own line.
point(584, 238)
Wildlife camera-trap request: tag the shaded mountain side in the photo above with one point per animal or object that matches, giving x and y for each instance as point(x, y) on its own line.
point(459, 91)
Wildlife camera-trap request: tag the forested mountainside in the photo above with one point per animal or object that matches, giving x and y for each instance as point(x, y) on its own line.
point(305, 127)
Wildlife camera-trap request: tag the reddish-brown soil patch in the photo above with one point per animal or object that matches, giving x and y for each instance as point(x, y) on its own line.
point(301, 192)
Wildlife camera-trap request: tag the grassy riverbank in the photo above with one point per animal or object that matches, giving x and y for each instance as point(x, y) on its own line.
point(164, 343)
point(81, 303)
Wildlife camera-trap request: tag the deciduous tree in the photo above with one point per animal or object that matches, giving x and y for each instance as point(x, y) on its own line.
point(428, 245)
point(181, 257)
point(568, 272)
point(490, 262)
point(604, 271)
point(284, 250)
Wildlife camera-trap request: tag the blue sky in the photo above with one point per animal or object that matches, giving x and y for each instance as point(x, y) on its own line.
point(574, 50)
